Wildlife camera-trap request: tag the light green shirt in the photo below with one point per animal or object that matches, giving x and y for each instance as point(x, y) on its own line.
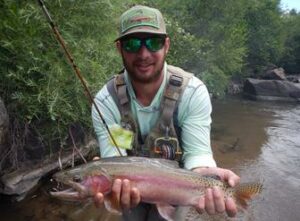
point(194, 110)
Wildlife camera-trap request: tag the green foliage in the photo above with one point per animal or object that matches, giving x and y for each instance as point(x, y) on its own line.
point(215, 45)
point(37, 82)
point(265, 36)
point(216, 81)
point(290, 60)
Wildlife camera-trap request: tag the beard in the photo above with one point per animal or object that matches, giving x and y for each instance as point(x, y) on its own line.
point(139, 76)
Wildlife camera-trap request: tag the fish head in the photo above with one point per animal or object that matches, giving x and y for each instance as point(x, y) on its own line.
point(81, 182)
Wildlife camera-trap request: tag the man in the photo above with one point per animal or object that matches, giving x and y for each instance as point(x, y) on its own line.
point(153, 99)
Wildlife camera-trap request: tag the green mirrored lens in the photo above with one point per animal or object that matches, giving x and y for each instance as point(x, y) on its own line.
point(132, 44)
point(155, 44)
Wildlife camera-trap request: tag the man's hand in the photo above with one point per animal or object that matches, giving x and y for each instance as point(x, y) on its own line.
point(213, 202)
point(125, 196)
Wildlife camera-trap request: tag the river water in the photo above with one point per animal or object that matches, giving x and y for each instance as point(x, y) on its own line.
point(260, 141)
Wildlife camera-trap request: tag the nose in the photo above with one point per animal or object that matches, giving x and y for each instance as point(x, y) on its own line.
point(143, 52)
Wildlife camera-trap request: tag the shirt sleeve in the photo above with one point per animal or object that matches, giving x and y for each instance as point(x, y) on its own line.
point(195, 119)
point(111, 115)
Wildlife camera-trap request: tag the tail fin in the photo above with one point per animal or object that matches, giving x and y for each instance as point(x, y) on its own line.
point(246, 191)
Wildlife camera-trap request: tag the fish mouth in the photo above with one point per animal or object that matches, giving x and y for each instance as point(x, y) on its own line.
point(67, 195)
point(68, 190)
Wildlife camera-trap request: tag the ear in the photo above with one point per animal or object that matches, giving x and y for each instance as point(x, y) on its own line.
point(118, 46)
point(167, 44)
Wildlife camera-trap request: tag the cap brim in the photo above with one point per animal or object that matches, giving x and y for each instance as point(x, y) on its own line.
point(142, 30)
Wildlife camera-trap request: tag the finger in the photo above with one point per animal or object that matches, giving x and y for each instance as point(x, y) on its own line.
point(116, 191)
point(232, 178)
point(125, 196)
point(201, 205)
point(98, 199)
point(209, 202)
point(135, 197)
point(218, 197)
point(231, 208)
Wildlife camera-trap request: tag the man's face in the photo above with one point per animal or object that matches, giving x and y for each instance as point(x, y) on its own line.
point(144, 66)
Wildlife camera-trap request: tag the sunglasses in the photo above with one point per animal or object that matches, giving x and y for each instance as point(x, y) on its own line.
point(134, 44)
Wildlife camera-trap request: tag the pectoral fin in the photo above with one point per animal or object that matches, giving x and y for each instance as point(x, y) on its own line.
point(166, 211)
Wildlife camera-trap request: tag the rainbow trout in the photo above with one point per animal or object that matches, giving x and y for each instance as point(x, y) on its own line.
point(159, 181)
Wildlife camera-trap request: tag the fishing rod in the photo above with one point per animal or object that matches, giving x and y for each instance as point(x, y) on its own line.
point(76, 70)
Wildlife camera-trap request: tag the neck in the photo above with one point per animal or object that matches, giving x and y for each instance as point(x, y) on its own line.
point(146, 91)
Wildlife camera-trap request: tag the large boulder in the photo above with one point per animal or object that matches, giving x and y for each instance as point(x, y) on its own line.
point(293, 78)
point(277, 90)
point(274, 74)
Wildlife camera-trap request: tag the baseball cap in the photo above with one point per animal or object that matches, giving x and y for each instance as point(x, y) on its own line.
point(141, 19)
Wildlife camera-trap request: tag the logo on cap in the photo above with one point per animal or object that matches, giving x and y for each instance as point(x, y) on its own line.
point(139, 17)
